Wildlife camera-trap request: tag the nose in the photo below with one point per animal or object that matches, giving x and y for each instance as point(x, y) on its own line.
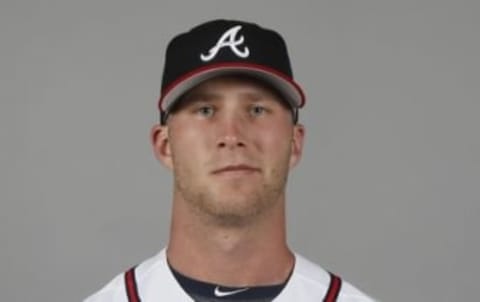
point(232, 131)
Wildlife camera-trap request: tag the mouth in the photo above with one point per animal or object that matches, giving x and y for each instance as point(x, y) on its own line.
point(236, 169)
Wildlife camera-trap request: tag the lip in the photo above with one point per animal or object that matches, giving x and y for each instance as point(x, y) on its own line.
point(235, 169)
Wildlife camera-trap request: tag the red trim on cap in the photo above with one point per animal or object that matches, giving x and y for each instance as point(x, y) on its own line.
point(248, 66)
point(131, 286)
point(333, 289)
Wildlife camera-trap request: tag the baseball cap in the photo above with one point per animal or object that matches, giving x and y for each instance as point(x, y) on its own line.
point(225, 47)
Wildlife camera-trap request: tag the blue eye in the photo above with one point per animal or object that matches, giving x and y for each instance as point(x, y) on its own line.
point(256, 110)
point(206, 111)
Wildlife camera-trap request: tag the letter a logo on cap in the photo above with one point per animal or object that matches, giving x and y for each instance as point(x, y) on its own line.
point(228, 39)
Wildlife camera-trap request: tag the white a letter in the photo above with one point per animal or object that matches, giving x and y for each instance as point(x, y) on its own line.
point(228, 39)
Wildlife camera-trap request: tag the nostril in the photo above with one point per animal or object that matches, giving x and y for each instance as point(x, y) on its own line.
point(230, 141)
point(225, 144)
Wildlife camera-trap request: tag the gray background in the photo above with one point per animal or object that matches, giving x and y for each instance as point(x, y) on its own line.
point(387, 194)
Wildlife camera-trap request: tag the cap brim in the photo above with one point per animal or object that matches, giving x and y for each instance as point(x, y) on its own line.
point(288, 88)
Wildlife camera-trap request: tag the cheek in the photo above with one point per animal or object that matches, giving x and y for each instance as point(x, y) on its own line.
point(188, 144)
point(276, 143)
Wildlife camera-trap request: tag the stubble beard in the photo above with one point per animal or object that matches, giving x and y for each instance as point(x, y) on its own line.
point(235, 210)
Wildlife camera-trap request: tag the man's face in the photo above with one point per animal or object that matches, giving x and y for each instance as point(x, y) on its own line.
point(230, 144)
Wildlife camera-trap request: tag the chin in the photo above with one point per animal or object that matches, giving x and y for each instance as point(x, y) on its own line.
point(231, 206)
point(236, 212)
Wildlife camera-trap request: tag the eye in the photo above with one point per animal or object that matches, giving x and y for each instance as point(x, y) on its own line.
point(205, 111)
point(257, 110)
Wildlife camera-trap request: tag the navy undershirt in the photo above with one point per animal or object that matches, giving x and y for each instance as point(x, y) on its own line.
point(209, 292)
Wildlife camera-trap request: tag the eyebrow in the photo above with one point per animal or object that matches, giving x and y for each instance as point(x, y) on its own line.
point(192, 97)
point(209, 96)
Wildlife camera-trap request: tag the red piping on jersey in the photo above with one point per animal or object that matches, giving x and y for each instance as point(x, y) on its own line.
point(333, 289)
point(131, 286)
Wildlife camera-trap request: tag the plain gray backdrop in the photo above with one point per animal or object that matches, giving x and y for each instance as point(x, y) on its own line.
point(387, 194)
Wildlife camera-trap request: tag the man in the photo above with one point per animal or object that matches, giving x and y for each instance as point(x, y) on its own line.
point(229, 133)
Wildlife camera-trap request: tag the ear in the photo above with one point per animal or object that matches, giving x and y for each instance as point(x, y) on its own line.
point(297, 144)
point(161, 144)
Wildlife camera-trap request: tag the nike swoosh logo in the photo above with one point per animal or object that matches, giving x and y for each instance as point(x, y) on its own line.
point(220, 293)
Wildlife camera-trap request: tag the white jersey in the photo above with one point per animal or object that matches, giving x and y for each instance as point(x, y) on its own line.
point(153, 281)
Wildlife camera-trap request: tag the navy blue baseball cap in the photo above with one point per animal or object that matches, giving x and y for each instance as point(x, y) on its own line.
point(225, 47)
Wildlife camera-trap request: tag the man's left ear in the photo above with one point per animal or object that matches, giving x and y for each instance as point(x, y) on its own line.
point(297, 144)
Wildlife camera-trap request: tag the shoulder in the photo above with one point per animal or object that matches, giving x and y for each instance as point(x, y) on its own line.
point(315, 282)
point(115, 290)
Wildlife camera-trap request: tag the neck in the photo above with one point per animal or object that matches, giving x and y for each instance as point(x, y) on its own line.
point(255, 254)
